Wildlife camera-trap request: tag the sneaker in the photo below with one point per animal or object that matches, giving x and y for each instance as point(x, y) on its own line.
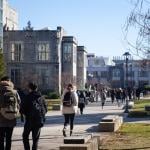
point(64, 133)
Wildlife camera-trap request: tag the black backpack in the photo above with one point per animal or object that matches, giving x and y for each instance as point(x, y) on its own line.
point(68, 101)
point(38, 111)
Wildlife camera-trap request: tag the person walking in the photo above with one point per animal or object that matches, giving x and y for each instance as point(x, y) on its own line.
point(34, 109)
point(69, 102)
point(112, 95)
point(118, 96)
point(103, 97)
point(81, 103)
point(9, 102)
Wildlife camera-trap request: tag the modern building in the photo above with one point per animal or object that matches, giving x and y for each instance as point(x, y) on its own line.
point(116, 73)
point(98, 70)
point(10, 17)
point(48, 57)
point(1, 24)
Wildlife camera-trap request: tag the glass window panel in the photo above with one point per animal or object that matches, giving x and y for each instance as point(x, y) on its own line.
point(43, 51)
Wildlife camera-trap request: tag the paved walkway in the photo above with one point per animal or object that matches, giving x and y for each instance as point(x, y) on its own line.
point(51, 135)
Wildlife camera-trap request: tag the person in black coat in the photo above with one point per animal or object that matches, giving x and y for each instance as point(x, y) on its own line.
point(34, 108)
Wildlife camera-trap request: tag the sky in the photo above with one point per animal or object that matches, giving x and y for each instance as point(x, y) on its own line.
point(97, 24)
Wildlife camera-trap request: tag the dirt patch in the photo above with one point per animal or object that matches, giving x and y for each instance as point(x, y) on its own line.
point(125, 141)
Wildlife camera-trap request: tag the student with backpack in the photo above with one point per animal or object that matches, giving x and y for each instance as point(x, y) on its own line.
point(9, 109)
point(69, 107)
point(34, 109)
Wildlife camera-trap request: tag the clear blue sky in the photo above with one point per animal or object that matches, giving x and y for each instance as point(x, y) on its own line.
point(97, 24)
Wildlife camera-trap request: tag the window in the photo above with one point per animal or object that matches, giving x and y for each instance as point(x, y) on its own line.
point(143, 74)
point(16, 76)
point(44, 76)
point(116, 73)
point(67, 53)
point(97, 62)
point(16, 52)
point(43, 51)
point(104, 74)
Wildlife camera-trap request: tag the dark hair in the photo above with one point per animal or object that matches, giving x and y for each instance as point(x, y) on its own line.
point(70, 85)
point(32, 86)
point(5, 78)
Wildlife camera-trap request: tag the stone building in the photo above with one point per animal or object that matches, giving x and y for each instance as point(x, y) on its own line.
point(69, 60)
point(34, 55)
point(47, 57)
point(81, 66)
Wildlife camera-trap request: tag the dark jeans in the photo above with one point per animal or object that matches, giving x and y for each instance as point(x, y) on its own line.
point(35, 136)
point(69, 118)
point(5, 135)
point(81, 106)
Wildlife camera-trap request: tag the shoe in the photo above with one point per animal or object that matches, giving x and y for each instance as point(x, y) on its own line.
point(64, 132)
point(70, 132)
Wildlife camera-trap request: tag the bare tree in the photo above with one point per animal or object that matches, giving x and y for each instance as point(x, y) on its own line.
point(138, 22)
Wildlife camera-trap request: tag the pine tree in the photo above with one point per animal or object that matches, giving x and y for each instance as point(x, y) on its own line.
point(2, 65)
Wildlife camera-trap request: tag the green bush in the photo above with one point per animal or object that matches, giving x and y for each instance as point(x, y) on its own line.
point(50, 94)
point(53, 95)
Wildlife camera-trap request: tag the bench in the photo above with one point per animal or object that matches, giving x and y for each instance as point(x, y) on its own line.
point(80, 142)
point(110, 123)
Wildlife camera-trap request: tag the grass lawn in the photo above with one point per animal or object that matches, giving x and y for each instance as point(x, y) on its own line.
point(130, 136)
point(141, 103)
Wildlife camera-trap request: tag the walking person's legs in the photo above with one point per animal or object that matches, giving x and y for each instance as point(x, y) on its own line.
point(9, 131)
point(35, 137)
point(66, 117)
point(25, 136)
point(2, 135)
point(71, 123)
point(81, 110)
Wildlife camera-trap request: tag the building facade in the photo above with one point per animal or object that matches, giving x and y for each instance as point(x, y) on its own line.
point(47, 57)
point(10, 17)
point(98, 70)
point(69, 60)
point(81, 67)
point(117, 74)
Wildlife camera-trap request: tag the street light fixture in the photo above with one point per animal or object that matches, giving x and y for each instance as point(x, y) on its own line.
point(126, 54)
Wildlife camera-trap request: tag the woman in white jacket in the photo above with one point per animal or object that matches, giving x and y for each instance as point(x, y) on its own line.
point(69, 102)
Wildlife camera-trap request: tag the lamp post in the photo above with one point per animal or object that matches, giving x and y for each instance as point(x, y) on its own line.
point(126, 54)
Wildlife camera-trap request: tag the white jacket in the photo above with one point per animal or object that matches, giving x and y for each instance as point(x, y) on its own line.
point(72, 109)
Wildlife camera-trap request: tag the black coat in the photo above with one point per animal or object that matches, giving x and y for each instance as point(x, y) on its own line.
point(27, 109)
